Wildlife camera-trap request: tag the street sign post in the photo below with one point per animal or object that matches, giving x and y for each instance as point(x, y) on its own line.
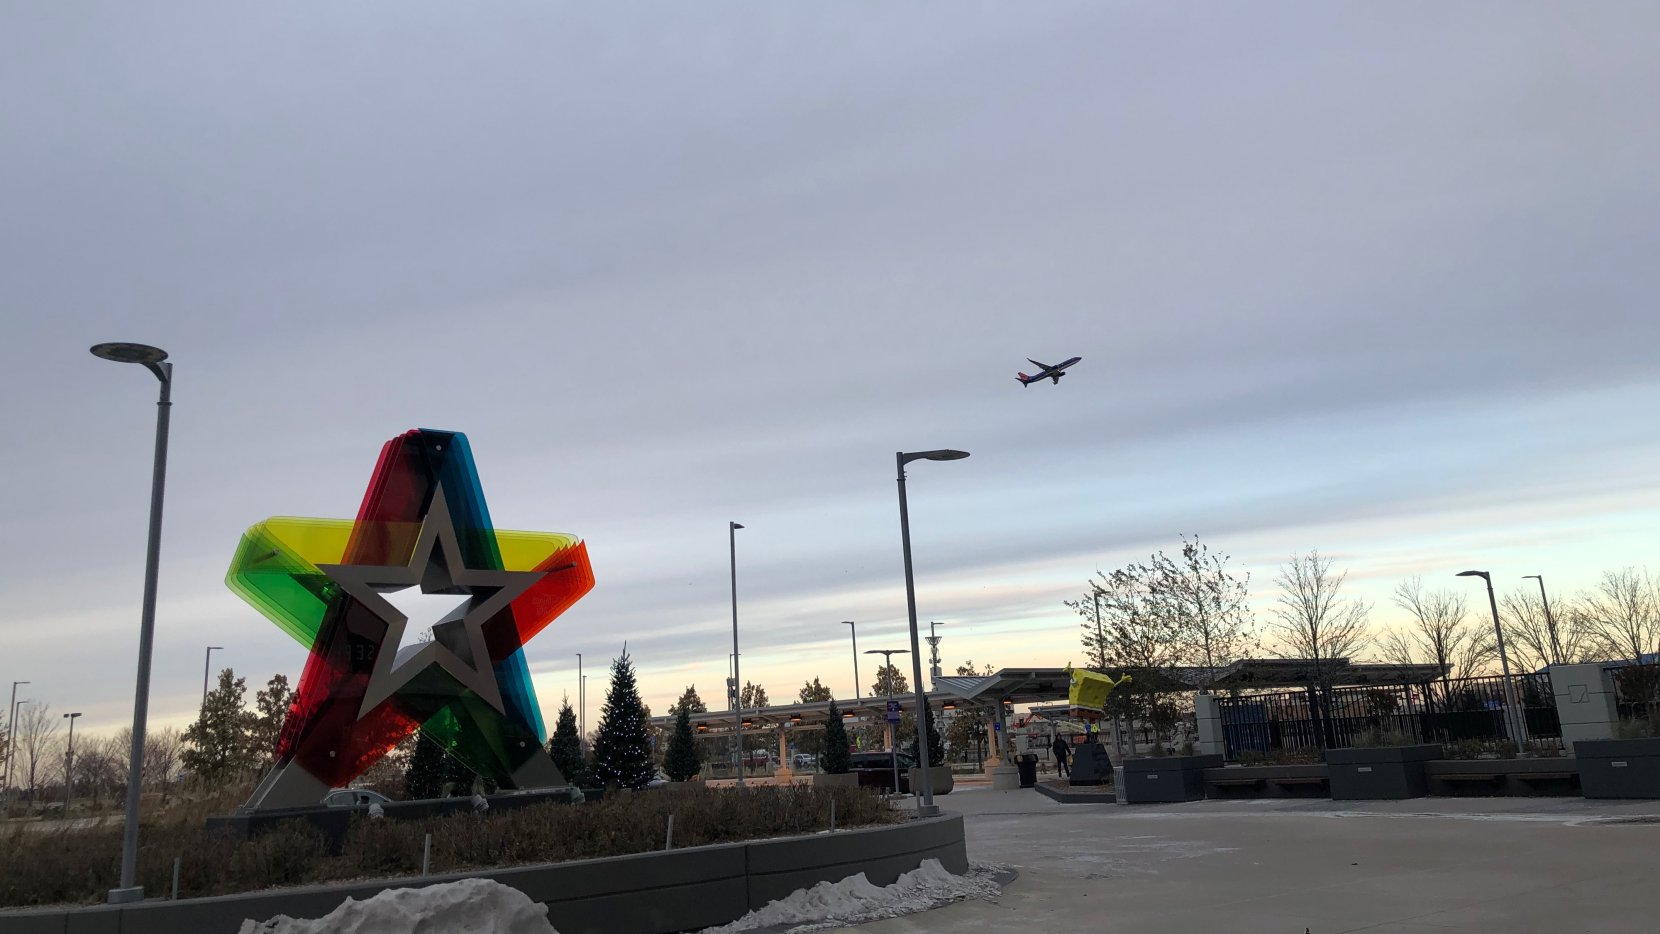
point(893, 711)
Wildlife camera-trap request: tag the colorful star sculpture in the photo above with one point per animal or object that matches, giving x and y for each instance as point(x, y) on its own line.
point(423, 523)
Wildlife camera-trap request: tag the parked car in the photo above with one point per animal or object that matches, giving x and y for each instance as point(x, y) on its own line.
point(875, 770)
point(804, 760)
point(353, 798)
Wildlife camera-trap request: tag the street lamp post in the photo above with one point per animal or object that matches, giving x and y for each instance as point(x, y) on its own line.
point(925, 803)
point(853, 630)
point(69, 763)
point(581, 702)
point(737, 690)
point(1100, 635)
point(11, 735)
point(207, 662)
point(155, 360)
point(933, 652)
point(1504, 662)
point(1550, 621)
point(893, 745)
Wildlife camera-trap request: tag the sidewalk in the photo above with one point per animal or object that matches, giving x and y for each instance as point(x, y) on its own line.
point(1547, 865)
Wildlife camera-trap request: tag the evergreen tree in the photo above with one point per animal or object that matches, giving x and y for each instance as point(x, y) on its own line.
point(622, 751)
point(272, 706)
point(218, 742)
point(424, 777)
point(835, 759)
point(936, 745)
point(565, 747)
point(682, 761)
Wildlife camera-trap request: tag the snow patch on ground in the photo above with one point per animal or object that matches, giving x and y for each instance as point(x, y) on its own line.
point(468, 906)
point(855, 900)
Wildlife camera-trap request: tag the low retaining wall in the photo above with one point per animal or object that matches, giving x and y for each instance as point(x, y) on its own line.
point(1547, 777)
point(648, 893)
point(1268, 781)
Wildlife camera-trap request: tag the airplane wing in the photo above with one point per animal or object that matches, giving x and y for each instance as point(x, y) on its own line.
point(1044, 366)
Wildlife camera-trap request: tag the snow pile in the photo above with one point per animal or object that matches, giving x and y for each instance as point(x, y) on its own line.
point(855, 900)
point(468, 906)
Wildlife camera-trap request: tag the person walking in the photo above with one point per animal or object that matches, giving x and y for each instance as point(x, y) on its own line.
point(1061, 751)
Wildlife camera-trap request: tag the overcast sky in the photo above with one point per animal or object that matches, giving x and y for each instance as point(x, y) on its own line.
point(1373, 278)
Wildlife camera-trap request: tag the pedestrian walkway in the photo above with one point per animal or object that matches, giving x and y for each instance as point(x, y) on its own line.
point(1281, 866)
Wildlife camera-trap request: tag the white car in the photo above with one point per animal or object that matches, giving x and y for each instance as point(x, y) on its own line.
point(353, 798)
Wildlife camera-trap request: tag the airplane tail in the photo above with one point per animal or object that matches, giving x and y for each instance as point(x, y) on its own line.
point(1024, 379)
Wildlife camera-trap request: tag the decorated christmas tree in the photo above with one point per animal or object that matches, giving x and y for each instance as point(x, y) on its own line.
point(682, 761)
point(835, 759)
point(622, 750)
point(565, 748)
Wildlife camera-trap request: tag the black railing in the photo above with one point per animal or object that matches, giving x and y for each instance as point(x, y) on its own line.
point(1392, 715)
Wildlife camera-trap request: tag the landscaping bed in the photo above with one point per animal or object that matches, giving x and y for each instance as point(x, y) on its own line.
point(70, 866)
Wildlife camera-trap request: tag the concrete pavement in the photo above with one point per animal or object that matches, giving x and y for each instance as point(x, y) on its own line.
point(1509, 865)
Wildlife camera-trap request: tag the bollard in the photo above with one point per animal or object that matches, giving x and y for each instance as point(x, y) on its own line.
point(176, 861)
point(426, 855)
point(668, 844)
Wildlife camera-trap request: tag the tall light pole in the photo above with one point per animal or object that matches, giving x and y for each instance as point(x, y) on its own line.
point(933, 653)
point(207, 661)
point(853, 630)
point(893, 728)
point(581, 702)
point(1504, 661)
point(11, 735)
point(153, 359)
point(1550, 621)
point(737, 689)
point(69, 763)
point(1100, 635)
point(925, 804)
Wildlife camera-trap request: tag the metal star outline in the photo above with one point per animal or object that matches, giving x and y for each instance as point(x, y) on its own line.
point(457, 646)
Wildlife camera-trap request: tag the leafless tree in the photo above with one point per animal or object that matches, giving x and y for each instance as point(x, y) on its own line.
point(36, 728)
point(1207, 602)
point(1313, 618)
point(161, 759)
point(1623, 613)
point(1439, 633)
point(1527, 635)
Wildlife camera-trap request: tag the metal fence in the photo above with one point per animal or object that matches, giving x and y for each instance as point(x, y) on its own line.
point(1439, 712)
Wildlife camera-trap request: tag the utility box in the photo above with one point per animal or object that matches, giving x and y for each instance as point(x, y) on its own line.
point(1379, 773)
point(1164, 779)
point(1619, 768)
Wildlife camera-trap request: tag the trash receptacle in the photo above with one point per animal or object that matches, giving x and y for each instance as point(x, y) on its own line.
point(1027, 764)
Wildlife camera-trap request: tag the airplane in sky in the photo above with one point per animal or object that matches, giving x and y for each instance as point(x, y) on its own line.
point(1049, 372)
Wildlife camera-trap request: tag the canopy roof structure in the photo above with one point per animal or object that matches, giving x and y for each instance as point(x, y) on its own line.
point(1047, 685)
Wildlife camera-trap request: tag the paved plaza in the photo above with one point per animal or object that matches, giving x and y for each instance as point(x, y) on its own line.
point(1507, 865)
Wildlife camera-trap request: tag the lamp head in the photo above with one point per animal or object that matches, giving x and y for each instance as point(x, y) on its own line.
point(943, 454)
point(734, 526)
point(122, 352)
point(1532, 577)
point(1481, 574)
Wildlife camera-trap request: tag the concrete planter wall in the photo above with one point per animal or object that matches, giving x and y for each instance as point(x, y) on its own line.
point(1619, 768)
point(1379, 772)
point(1551, 776)
point(1164, 779)
point(841, 780)
point(1268, 781)
point(649, 893)
point(941, 774)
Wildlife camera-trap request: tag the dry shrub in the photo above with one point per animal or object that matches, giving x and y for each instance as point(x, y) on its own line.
point(61, 865)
